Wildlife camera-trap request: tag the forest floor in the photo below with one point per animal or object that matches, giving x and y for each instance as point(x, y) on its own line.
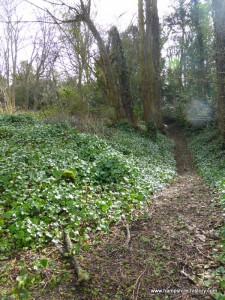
point(170, 249)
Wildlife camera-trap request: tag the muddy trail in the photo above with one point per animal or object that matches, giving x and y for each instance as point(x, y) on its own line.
point(169, 255)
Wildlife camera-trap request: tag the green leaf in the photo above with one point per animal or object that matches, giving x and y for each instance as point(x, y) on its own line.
point(86, 247)
point(44, 262)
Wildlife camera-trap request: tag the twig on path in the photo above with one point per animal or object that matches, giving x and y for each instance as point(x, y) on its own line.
point(138, 284)
point(138, 291)
point(206, 256)
point(189, 277)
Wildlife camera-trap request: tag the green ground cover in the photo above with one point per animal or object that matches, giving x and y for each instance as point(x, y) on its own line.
point(54, 178)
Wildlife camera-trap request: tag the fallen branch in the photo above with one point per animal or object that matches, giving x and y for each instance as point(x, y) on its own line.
point(69, 248)
point(81, 274)
point(206, 256)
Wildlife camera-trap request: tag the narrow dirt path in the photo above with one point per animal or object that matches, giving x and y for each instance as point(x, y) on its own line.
point(170, 247)
point(180, 220)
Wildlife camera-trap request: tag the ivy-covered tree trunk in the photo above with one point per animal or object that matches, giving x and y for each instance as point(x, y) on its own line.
point(107, 70)
point(149, 54)
point(156, 64)
point(142, 54)
point(121, 73)
point(110, 84)
point(218, 7)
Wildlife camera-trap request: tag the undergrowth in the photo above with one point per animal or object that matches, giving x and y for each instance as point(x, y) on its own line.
point(209, 155)
point(54, 178)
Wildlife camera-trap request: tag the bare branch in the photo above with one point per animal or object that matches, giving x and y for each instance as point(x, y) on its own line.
point(43, 9)
point(24, 21)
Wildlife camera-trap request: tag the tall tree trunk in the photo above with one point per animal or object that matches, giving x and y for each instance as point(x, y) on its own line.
point(149, 53)
point(182, 57)
point(149, 105)
point(142, 48)
point(121, 73)
point(218, 7)
point(156, 63)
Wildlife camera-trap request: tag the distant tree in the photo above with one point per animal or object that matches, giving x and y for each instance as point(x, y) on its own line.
point(33, 79)
point(177, 27)
point(189, 69)
point(218, 7)
point(77, 44)
point(45, 54)
point(24, 81)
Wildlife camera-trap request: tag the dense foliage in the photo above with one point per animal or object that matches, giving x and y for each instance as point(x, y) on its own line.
point(53, 178)
point(209, 154)
point(207, 149)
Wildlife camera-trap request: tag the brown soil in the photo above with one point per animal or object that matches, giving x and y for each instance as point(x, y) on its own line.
point(169, 250)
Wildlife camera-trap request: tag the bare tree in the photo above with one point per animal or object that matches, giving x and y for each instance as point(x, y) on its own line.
point(35, 74)
point(45, 54)
point(77, 58)
point(10, 44)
